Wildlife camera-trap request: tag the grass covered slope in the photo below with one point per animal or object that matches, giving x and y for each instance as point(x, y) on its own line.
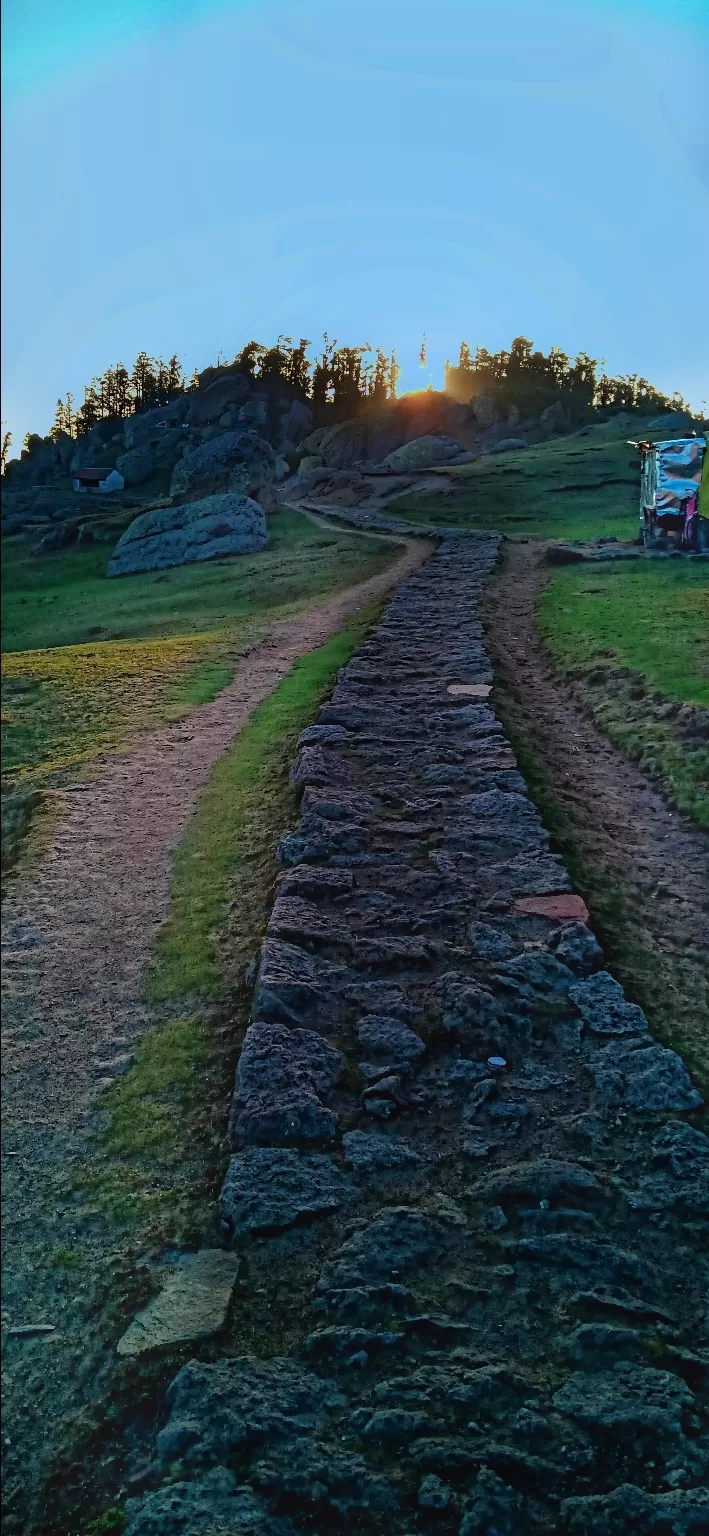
point(636, 637)
point(574, 487)
point(89, 661)
point(65, 599)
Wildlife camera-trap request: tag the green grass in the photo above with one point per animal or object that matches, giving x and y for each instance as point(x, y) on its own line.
point(576, 487)
point(650, 616)
point(636, 637)
point(161, 1153)
point(66, 599)
point(90, 661)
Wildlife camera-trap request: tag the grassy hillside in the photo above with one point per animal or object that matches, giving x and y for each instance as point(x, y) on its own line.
point(88, 661)
point(575, 487)
point(65, 599)
point(635, 636)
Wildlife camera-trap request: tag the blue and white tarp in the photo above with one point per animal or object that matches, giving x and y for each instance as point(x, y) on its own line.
point(679, 472)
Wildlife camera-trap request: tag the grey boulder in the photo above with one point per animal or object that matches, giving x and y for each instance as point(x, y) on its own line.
point(208, 405)
point(136, 466)
point(232, 461)
point(147, 429)
point(296, 422)
point(201, 530)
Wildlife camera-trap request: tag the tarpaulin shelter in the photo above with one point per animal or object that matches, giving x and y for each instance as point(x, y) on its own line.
point(673, 510)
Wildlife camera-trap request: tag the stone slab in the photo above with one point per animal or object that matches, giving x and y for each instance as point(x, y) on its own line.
point(192, 1304)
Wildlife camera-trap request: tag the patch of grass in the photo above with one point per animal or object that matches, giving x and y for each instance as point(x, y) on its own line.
point(650, 616)
point(108, 1524)
point(66, 600)
point(74, 687)
point(68, 1258)
point(636, 638)
point(576, 487)
point(65, 704)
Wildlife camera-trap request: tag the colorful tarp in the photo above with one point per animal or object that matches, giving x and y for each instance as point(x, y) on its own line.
point(679, 473)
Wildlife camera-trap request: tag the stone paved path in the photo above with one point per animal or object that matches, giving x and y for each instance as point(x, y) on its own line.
point(468, 1188)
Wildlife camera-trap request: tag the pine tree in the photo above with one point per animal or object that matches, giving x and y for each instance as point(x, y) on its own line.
point(175, 377)
point(5, 451)
point(58, 428)
point(144, 383)
point(88, 414)
point(394, 375)
point(380, 379)
point(299, 368)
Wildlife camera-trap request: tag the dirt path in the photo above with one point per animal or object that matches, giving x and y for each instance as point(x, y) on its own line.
point(627, 839)
point(77, 936)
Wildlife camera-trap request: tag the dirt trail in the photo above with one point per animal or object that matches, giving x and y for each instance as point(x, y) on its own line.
point(628, 838)
point(77, 936)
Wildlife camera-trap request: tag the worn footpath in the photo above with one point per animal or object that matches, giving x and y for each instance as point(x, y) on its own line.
point(468, 1189)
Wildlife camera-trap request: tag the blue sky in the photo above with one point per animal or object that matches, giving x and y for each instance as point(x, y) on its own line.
point(183, 175)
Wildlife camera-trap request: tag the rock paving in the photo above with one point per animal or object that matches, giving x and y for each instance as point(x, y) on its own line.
point(470, 1182)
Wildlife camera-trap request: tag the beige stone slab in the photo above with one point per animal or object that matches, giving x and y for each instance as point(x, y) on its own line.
point(192, 1304)
point(469, 690)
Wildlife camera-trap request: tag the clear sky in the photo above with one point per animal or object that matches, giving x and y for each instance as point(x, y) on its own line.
point(183, 175)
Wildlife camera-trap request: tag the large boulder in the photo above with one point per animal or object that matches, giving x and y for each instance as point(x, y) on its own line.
point(209, 404)
point(233, 461)
point(423, 452)
point(147, 429)
point(201, 530)
point(99, 446)
point(136, 467)
point(296, 422)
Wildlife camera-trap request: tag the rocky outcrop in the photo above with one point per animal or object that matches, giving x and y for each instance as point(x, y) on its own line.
point(464, 1181)
point(208, 405)
point(233, 461)
point(374, 435)
point(200, 530)
point(147, 429)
